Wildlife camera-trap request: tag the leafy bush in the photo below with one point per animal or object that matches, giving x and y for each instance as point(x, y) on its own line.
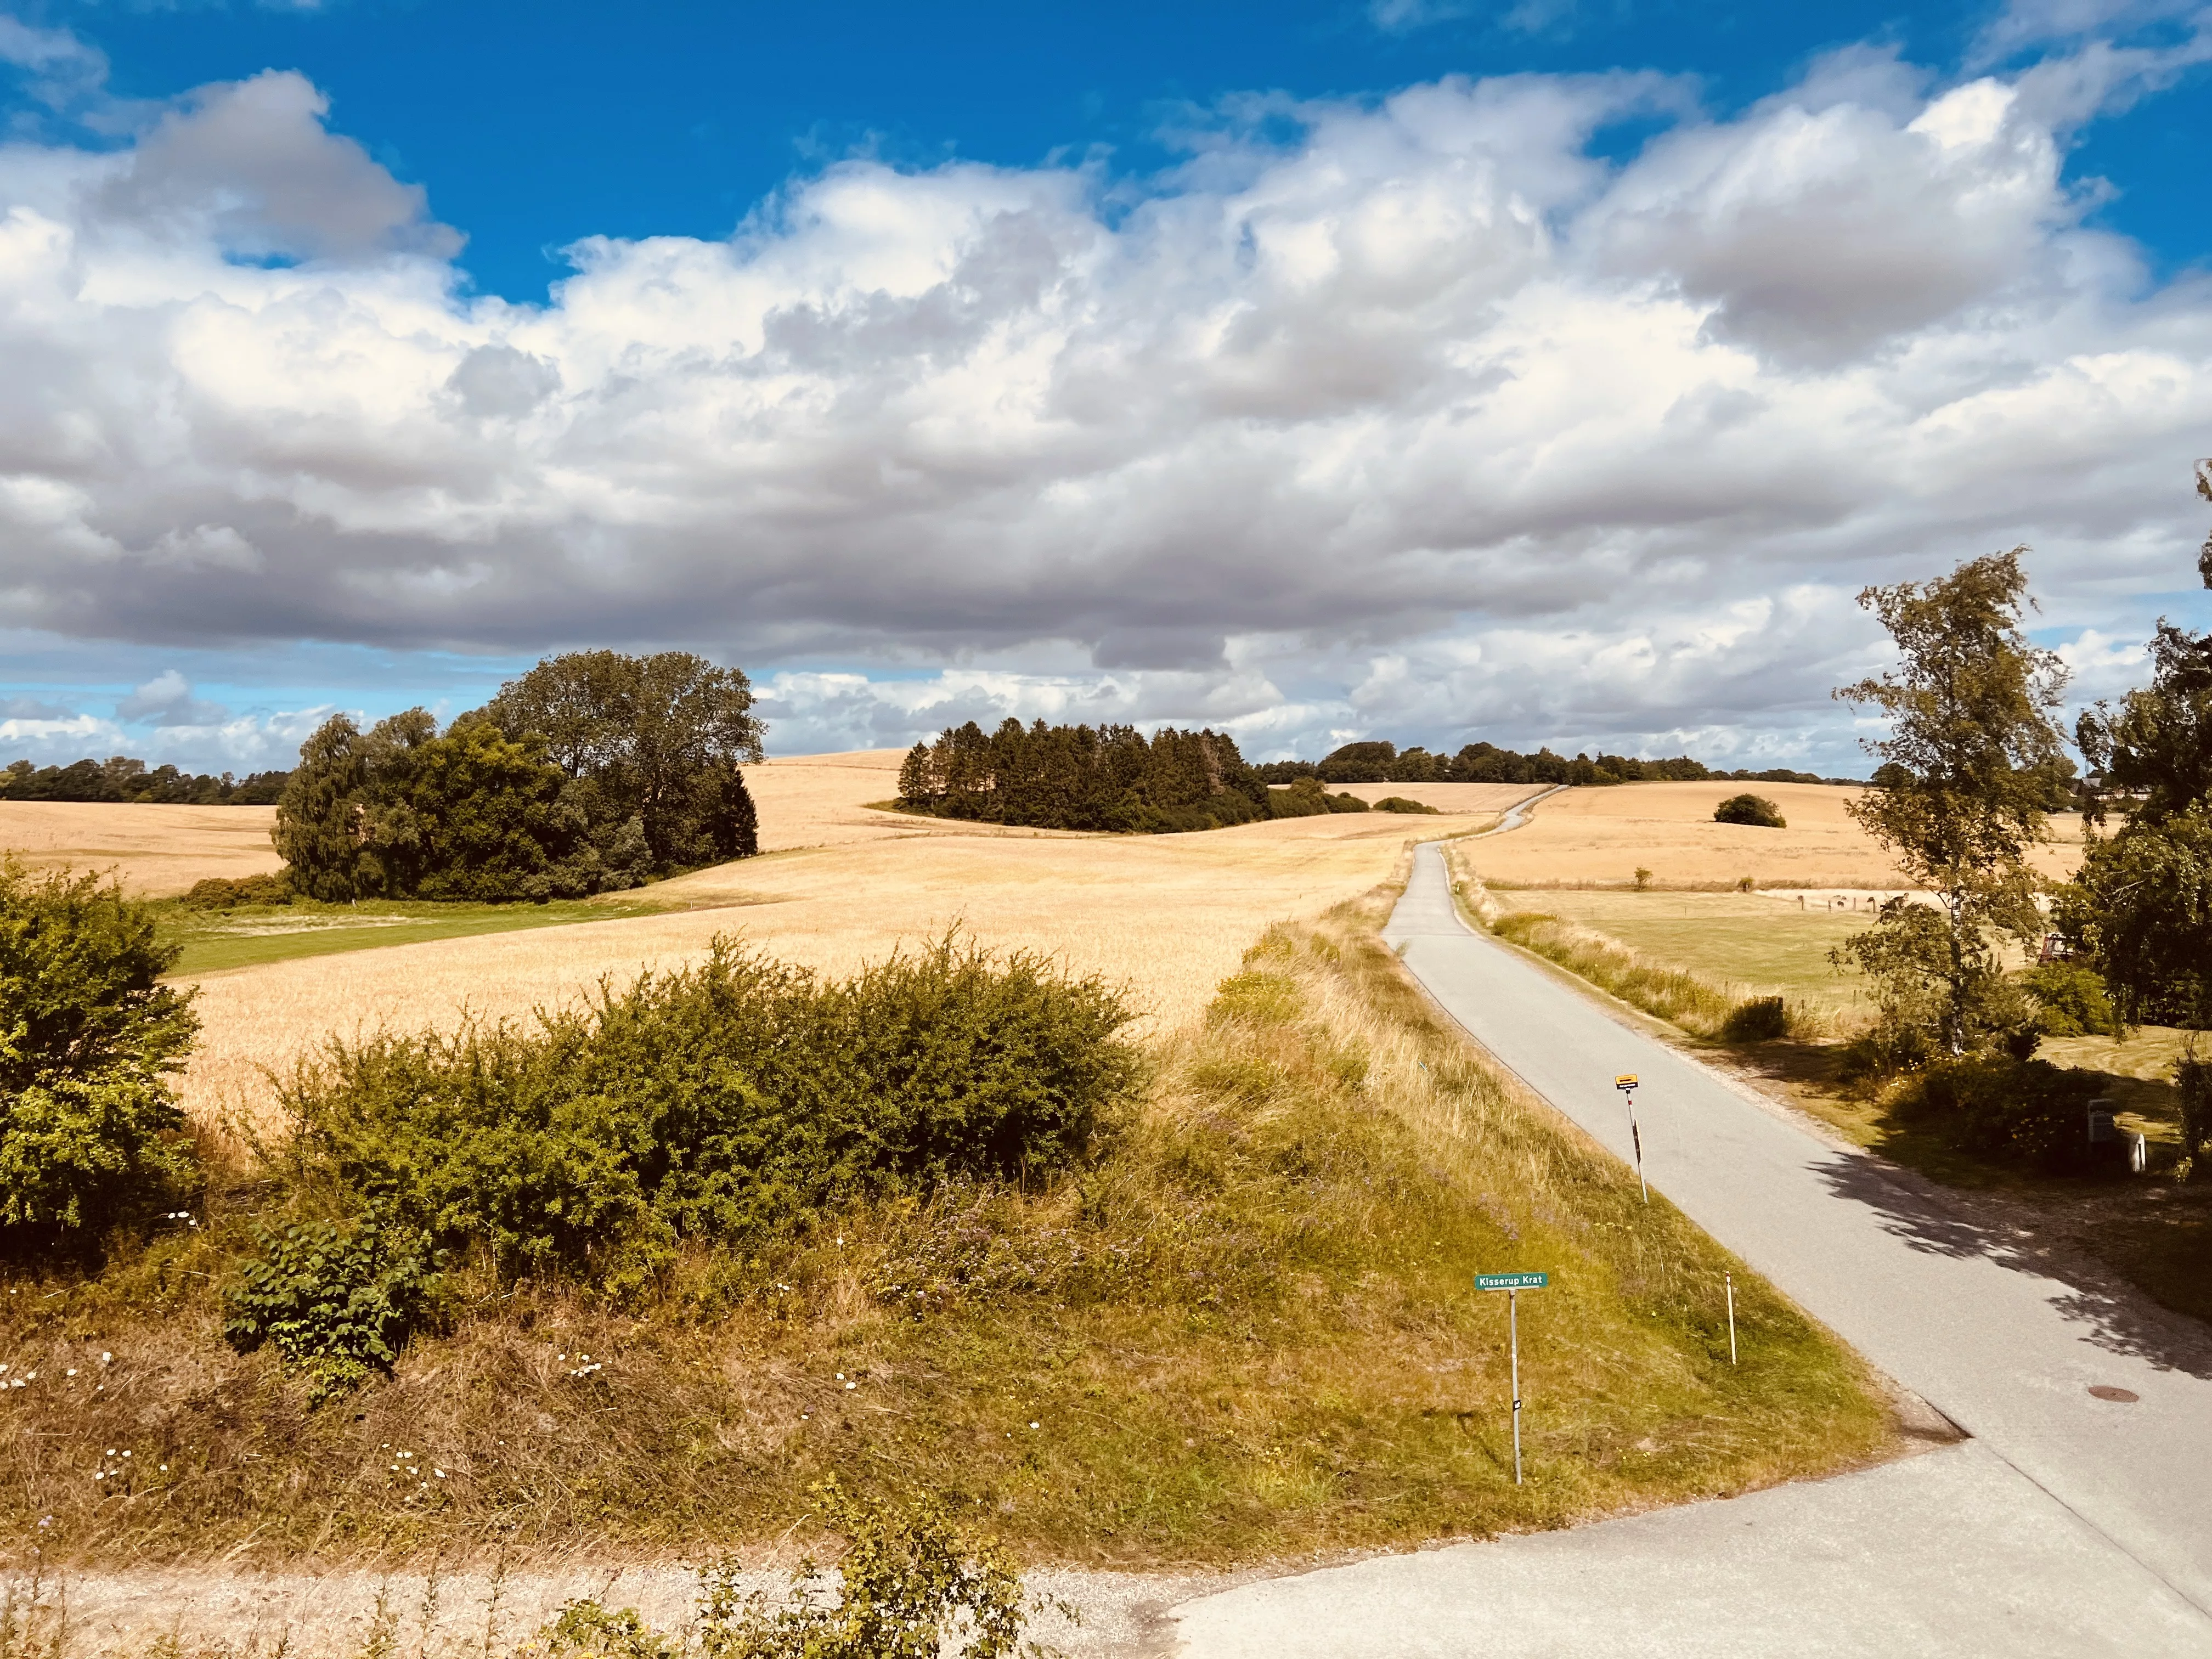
point(2070, 1000)
point(229, 893)
point(2025, 1112)
point(1306, 799)
point(1757, 1019)
point(338, 1302)
point(90, 1135)
point(725, 1101)
point(912, 1586)
point(1755, 810)
point(1400, 804)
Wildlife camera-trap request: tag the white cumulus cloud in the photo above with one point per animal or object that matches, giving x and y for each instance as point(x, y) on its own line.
point(1428, 422)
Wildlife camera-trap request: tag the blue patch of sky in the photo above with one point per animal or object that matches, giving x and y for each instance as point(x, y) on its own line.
point(534, 125)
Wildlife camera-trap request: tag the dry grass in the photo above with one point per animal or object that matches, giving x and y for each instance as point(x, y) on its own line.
point(1247, 1331)
point(1602, 837)
point(157, 851)
point(1166, 915)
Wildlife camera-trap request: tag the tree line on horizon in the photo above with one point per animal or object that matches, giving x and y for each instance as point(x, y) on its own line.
point(592, 773)
point(1084, 777)
point(1378, 761)
point(120, 780)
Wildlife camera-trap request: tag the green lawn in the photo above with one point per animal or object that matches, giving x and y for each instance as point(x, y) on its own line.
point(217, 939)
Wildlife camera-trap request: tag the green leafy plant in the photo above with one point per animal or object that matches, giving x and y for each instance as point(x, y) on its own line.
point(1401, 803)
point(2070, 1000)
point(336, 1301)
point(91, 1136)
point(912, 1586)
point(229, 892)
point(1754, 809)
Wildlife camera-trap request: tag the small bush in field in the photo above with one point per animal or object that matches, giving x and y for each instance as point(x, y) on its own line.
point(1400, 804)
point(90, 1135)
point(337, 1302)
point(1757, 1019)
point(727, 1100)
point(1755, 810)
point(228, 892)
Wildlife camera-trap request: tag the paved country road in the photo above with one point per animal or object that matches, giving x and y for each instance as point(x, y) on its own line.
point(2067, 1524)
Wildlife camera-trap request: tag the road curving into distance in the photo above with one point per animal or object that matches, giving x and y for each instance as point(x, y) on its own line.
point(2068, 1525)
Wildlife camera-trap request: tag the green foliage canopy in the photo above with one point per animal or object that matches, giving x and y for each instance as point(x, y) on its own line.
point(89, 1133)
point(722, 1102)
point(1755, 810)
point(592, 773)
point(1081, 777)
point(1962, 793)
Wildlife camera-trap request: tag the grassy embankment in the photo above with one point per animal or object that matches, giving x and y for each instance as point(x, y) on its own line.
point(1244, 1328)
point(1685, 958)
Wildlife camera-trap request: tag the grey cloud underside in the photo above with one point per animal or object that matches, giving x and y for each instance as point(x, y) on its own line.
point(1427, 417)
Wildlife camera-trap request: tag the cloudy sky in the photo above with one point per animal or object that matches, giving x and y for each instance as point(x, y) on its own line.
point(1544, 372)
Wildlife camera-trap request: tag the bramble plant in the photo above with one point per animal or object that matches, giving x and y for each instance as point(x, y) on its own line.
point(91, 1136)
point(336, 1301)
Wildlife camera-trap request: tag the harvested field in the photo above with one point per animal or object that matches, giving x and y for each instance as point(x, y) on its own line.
point(1167, 916)
point(158, 851)
point(1599, 837)
point(1463, 798)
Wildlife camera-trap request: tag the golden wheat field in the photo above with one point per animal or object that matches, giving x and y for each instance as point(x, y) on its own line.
point(1603, 836)
point(1167, 916)
point(157, 851)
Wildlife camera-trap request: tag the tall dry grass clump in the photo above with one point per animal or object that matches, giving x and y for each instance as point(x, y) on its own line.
point(1241, 1323)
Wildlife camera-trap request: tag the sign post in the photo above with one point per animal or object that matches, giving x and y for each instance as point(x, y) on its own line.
point(1730, 1277)
point(1513, 1284)
point(1626, 1083)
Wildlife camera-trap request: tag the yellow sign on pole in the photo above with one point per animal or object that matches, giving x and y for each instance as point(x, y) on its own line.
point(1626, 1080)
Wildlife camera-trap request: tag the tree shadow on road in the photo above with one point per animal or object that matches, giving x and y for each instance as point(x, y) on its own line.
point(1947, 1223)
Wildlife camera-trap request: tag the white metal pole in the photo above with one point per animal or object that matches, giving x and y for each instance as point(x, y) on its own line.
point(1731, 1296)
point(1513, 1324)
point(1636, 1140)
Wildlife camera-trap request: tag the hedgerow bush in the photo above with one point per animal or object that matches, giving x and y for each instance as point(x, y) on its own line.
point(2029, 1113)
point(727, 1100)
point(2070, 1000)
point(1754, 809)
point(91, 1136)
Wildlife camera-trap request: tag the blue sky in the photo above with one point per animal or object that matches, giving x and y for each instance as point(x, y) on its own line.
point(1249, 365)
point(535, 126)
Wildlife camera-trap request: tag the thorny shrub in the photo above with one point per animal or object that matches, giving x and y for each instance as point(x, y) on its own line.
point(729, 1101)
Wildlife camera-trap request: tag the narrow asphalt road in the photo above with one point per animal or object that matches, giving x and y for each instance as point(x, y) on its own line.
point(2070, 1523)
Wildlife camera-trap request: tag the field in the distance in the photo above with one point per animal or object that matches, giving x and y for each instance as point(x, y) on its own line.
point(1167, 916)
point(157, 851)
point(1603, 836)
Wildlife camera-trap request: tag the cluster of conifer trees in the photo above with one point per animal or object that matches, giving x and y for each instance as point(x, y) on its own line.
point(593, 772)
point(1084, 777)
point(1485, 763)
point(124, 781)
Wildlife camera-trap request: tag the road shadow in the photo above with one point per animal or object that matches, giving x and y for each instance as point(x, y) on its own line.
point(1927, 1218)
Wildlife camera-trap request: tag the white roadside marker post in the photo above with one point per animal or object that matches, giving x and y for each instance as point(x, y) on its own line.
point(1730, 1277)
point(1626, 1083)
point(1513, 1284)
